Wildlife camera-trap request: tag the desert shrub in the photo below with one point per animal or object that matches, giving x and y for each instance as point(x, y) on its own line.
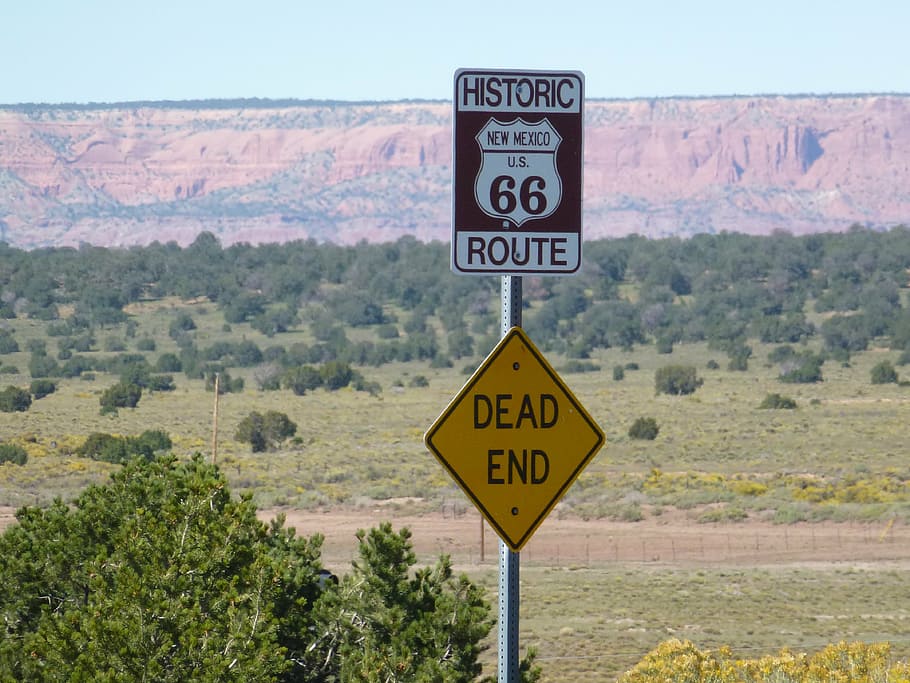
point(780, 354)
point(182, 323)
point(8, 343)
point(803, 369)
point(149, 443)
point(145, 344)
point(302, 379)
point(739, 358)
point(677, 660)
point(676, 380)
point(644, 428)
point(744, 487)
point(712, 364)
point(39, 388)
point(168, 362)
point(884, 373)
point(726, 513)
point(777, 402)
point(576, 366)
point(265, 431)
point(387, 331)
point(104, 447)
point(12, 453)
point(161, 383)
point(619, 373)
point(36, 345)
point(372, 388)
point(120, 449)
point(336, 375)
point(13, 400)
point(114, 344)
point(268, 377)
point(419, 381)
point(120, 396)
point(9, 370)
point(42, 365)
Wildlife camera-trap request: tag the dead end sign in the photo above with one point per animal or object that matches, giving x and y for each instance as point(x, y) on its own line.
point(514, 438)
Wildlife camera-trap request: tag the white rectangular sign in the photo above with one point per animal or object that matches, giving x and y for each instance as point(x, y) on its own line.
point(517, 172)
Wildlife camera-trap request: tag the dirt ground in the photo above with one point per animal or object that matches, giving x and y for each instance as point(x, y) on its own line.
point(671, 539)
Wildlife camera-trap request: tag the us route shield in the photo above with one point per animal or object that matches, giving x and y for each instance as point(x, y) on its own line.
point(518, 179)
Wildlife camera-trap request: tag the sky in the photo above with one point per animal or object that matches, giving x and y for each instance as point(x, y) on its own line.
point(54, 51)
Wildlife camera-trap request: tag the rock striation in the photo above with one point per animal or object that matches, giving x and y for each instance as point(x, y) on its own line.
point(259, 171)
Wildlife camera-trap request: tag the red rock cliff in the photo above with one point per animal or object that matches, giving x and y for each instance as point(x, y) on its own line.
point(126, 174)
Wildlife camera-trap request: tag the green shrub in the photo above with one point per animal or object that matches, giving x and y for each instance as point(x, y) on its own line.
point(387, 331)
point(336, 375)
point(120, 396)
point(161, 383)
point(884, 373)
point(575, 366)
point(644, 428)
point(120, 449)
point(264, 431)
point(301, 379)
point(7, 343)
point(781, 354)
point(12, 453)
point(42, 365)
point(104, 447)
point(40, 388)
point(777, 402)
point(13, 399)
point(676, 380)
point(114, 344)
point(168, 362)
point(739, 358)
point(804, 369)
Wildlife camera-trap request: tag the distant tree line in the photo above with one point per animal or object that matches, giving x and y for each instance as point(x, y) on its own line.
point(726, 290)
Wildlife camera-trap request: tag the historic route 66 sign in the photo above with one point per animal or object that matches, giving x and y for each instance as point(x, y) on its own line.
point(517, 172)
point(518, 179)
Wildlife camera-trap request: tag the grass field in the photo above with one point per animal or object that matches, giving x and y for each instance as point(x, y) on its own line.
point(718, 460)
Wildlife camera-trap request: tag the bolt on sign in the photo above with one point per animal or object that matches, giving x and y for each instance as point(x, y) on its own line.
point(517, 172)
point(514, 438)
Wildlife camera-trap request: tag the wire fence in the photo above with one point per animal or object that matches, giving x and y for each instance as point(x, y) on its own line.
point(462, 535)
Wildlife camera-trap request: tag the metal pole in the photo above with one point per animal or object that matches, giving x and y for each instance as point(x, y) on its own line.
point(215, 420)
point(509, 561)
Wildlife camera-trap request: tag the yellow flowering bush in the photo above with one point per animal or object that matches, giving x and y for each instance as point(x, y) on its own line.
point(680, 661)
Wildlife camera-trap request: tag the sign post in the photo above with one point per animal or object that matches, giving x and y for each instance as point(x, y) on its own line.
point(515, 438)
point(509, 560)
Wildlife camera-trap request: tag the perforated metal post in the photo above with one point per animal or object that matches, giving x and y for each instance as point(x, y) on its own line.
point(509, 564)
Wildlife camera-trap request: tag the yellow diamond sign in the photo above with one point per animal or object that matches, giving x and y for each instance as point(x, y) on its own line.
point(514, 438)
